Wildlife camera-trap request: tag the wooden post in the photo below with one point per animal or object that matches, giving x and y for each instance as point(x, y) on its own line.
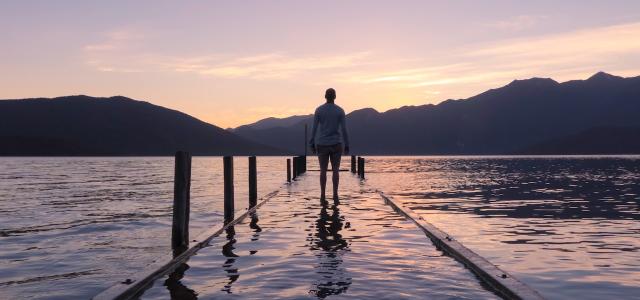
point(304, 163)
point(353, 164)
point(359, 166)
point(228, 189)
point(253, 182)
point(362, 172)
point(295, 167)
point(306, 146)
point(181, 199)
point(288, 169)
point(300, 165)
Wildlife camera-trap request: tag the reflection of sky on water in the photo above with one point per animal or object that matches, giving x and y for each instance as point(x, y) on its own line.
point(67, 222)
point(303, 248)
point(568, 226)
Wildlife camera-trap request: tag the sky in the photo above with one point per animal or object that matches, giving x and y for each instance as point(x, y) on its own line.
point(234, 62)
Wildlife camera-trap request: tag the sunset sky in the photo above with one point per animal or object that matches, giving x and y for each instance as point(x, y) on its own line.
point(234, 62)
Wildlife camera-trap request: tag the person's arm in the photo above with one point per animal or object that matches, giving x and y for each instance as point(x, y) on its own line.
point(314, 128)
point(345, 137)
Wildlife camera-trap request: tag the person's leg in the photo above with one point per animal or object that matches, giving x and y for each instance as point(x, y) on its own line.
point(335, 156)
point(324, 164)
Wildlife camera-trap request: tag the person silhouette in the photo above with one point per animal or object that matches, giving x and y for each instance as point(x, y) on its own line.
point(327, 143)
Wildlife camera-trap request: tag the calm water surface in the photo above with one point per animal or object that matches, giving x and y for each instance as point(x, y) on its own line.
point(568, 226)
point(68, 226)
point(299, 247)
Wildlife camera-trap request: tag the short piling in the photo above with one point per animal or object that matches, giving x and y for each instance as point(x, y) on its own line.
point(353, 164)
point(303, 159)
point(295, 167)
point(253, 182)
point(300, 165)
point(361, 167)
point(306, 146)
point(181, 199)
point(228, 188)
point(288, 170)
point(303, 164)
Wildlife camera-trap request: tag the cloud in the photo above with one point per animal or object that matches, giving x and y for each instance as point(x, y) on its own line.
point(516, 23)
point(411, 75)
point(564, 56)
point(115, 40)
point(462, 72)
point(120, 52)
point(266, 66)
point(114, 52)
point(590, 42)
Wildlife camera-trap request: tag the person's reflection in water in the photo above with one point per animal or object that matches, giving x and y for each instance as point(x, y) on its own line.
point(227, 251)
point(330, 245)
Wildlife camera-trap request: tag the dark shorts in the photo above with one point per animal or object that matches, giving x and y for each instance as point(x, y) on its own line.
point(329, 149)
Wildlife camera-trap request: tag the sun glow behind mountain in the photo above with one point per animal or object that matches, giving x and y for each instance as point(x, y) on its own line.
point(231, 64)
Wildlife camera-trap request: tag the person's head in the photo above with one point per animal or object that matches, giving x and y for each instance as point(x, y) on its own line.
point(330, 95)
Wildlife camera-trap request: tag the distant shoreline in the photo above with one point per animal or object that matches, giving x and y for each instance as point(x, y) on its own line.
point(369, 155)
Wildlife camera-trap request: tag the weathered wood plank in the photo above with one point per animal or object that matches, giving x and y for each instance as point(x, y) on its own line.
point(130, 287)
point(497, 279)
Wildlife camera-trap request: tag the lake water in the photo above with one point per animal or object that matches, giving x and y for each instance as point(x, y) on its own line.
point(68, 225)
point(567, 226)
point(299, 247)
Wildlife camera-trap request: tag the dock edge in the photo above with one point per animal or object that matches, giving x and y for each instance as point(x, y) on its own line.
point(501, 282)
point(137, 283)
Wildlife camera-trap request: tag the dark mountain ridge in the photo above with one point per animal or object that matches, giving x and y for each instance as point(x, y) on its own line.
point(273, 122)
point(83, 125)
point(499, 121)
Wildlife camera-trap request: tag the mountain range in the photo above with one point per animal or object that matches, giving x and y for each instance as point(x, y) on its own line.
point(599, 115)
point(83, 125)
point(532, 116)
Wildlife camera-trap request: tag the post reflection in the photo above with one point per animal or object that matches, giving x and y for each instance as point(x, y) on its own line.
point(255, 227)
point(177, 290)
point(228, 266)
point(330, 246)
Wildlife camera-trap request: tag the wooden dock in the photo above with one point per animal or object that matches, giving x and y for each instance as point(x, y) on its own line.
point(290, 244)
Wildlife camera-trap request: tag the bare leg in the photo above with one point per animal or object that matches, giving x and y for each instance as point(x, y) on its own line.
point(335, 166)
point(324, 164)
